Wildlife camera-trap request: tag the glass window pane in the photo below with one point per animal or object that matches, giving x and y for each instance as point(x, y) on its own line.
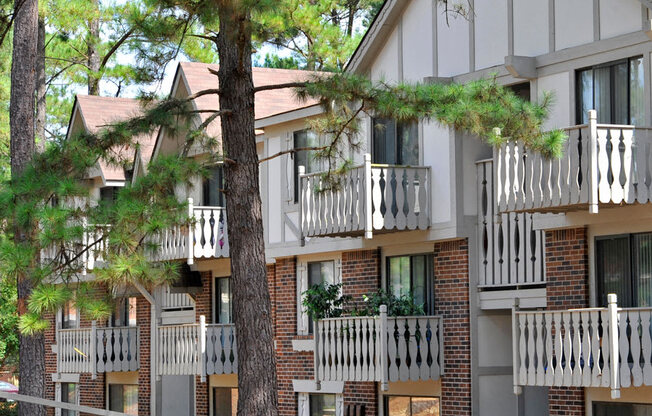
point(620, 95)
point(585, 93)
point(322, 405)
point(384, 142)
point(602, 93)
point(305, 158)
point(133, 312)
point(320, 272)
point(130, 399)
point(636, 92)
point(68, 395)
point(614, 276)
point(223, 300)
point(642, 261)
point(69, 316)
point(212, 194)
point(419, 290)
point(613, 409)
point(408, 136)
point(399, 276)
point(425, 406)
point(116, 397)
point(225, 401)
point(398, 406)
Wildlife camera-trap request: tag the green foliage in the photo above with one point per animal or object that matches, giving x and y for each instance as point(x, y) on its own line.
point(8, 321)
point(275, 61)
point(8, 409)
point(31, 323)
point(396, 306)
point(324, 301)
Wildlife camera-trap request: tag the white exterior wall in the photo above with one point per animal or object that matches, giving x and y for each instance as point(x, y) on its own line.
point(531, 37)
point(418, 46)
point(490, 32)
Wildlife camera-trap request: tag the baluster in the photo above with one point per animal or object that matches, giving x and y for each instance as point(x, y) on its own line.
point(642, 167)
point(596, 371)
point(635, 342)
point(412, 345)
point(392, 349)
point(391, 206)
point(549, 363)
point(629, 193)
point(646, 347)
point(424, 199)
point(425, 343)
point(540, 364)
point(522, 349)
point(411, 181)
point(531, 353)
point(404, 370)
point(559, 350)
point(604, 189)
point(616, 165)
point(625, 372)
point(586, 350)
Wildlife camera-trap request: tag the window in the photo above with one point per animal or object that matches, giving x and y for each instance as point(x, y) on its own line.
point(223, 306)
point(621, 409)
point(521, 90)
point(69, 316)
point(225, 401)
point(412, 276)
point(395, 143)
point(322, 404)
point(305, 158)
point(411, 406)
point(319, 272)
point(69, 394)
point(123, 398)
point(615, 90)
point(108, 194)
point(624, 267)
point(124, 313)
point(212, 195)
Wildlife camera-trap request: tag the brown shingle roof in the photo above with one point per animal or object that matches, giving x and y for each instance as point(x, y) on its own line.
point(98, 112)
point(267, 103)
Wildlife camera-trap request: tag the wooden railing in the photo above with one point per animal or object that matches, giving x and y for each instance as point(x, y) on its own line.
point(577, 348)
point(379, 349)
point(207, 237)
point(92, 247)
point(97, 350)
point(510, 249)
point(368, 198)
point(197, 349)
point(602, 165)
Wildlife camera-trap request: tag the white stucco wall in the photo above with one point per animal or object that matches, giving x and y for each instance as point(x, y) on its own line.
point(386, 64)
point(531, 18)
point(490, 32)
point(417, 41)
point(573, 23)
point(559, 84)
point(628, 14)
point(452, 44)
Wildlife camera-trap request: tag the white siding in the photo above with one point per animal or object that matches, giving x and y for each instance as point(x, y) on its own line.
point(386, 65)
point(531, 33)
point(417, 41)
point(573, 23)
point(490, 32)
point(452, 44)
point(629, 17)
point(438, 154)
point(274, 186)
point(559, 84)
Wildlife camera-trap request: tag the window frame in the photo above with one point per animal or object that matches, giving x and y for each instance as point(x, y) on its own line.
point(429, 306)
point(108, 394)
point(633, 280)
point(579, 116)
point(60, 389)
point(302, 270)
point(596, 403)
point(69, 305)
point(397, 141)
point(213, 408)
point(124, 306)
point(205, 188)
point(215, 300)
point(295, 162)
point(386, 398)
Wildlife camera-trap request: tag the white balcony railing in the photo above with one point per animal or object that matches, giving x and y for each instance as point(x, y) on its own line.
point(197, 349)
point(98, 350)
point(382, 349)
point(602, 165)
point(577, 348)
point(368, 198)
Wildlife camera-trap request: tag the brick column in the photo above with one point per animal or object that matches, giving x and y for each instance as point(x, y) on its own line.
point(203, 306)
point(567, 271)
point(143, 319)
point(451, 266)
point(50, 359)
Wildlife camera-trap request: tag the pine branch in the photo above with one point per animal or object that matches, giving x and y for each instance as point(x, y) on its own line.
point(280, 86)
point(298, 149)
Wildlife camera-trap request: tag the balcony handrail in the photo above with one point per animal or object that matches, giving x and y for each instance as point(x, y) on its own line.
point(592, 347)
point(378, 348)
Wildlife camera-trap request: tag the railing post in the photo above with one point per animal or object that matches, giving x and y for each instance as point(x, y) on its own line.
point(316, 353)
point(368, 226)
point(302, 171)
point(593, 162)
point(202, 346)
point(86, 258)
point(612, 302)
point(383, 362)
point(92, 354)
point(515, 352)
point(191, 232)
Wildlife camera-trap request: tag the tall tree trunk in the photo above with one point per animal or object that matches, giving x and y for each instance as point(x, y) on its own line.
point(251, 302)
point(21, 121)
point(40, 86)
point(92, 52)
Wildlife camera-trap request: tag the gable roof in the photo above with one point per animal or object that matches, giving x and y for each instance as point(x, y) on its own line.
point(98, 112)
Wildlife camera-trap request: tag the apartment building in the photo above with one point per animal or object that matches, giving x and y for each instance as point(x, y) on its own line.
point(512, 255)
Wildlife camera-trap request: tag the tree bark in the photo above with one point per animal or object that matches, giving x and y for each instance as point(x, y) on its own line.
point(92, 52)
point(251, 302)
point(21, 122)
point(41, 88)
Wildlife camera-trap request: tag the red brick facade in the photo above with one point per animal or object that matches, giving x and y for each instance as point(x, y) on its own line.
point(451, 266)
point(567, 271)
point(203, 306)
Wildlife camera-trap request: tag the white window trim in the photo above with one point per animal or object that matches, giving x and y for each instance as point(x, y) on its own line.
point(303, 408)
point(302, 286)
point(57, 396)
point(59, 322)
point(106, 389)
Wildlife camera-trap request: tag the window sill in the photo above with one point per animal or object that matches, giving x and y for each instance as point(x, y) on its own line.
point(303, 344)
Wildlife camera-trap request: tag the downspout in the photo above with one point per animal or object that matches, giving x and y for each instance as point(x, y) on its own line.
point(152, 346)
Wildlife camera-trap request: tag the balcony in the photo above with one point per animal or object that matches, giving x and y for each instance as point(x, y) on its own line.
point(381, 349)
point(603, 165)
point(98, 350)
point(593, 347)
point(196, 349)
point(368, 199)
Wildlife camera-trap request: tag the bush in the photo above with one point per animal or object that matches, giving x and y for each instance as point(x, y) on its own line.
point(396, 306)
point(324, 301)
point(8, 409)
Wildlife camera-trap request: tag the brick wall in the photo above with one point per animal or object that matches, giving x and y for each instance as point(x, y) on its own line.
point(143, 318)
point(360, 275)
point(50, 359)
point(451, 266)
point(567, 271)
point(203, 306)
